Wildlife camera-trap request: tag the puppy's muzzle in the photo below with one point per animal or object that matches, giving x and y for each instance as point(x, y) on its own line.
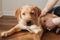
point(29, 22)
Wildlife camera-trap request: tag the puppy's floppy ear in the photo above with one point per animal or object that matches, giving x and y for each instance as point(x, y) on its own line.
point(38, 11)
point(17, 14)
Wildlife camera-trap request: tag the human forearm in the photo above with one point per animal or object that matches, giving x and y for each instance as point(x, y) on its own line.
point(50, 5)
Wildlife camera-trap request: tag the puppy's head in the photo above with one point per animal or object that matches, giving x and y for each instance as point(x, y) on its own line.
point(28, 14)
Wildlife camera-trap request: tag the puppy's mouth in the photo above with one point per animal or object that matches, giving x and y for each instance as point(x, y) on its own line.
point(29, 23)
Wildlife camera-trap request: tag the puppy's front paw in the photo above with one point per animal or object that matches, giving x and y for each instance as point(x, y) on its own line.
point(4, 34)
point(57, 31)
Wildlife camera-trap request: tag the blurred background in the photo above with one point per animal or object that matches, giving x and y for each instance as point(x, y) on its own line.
point(7, 20)
point(7, 7)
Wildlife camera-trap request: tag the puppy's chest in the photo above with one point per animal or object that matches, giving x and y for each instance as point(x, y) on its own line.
point(22, 25)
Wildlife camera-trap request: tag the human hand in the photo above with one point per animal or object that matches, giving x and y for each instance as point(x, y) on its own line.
point(43, 13)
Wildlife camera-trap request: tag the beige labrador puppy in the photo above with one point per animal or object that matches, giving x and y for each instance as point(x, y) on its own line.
point(27, 17)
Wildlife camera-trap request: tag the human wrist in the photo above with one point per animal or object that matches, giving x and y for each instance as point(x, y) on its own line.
point(45, 10)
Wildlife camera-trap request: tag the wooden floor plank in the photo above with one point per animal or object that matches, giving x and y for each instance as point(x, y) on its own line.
point(7, 22)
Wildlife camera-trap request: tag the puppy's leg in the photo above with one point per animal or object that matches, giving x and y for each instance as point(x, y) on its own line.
point(38, 35)
point(11, 31)
point(56, 21)
point(57, 31)
point(38, 31)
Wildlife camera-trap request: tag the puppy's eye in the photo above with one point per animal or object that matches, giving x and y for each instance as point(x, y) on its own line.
point(32, 13)
point(23, 13)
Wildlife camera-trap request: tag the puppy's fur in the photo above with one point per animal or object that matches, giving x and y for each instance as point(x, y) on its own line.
point(50, 21)
point(27, 17)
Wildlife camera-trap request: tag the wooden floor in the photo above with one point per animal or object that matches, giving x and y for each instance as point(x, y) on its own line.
point(7, 22)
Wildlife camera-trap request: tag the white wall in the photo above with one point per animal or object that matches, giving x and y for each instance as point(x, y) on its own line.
point(0, 8)
point(0, 5)
point(8, 6)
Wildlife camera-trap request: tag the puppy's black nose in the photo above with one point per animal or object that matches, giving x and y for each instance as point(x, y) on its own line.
point(29, 22)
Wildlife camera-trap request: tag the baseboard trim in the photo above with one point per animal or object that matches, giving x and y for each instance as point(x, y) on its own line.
point(8, 13)
point(1, 14)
